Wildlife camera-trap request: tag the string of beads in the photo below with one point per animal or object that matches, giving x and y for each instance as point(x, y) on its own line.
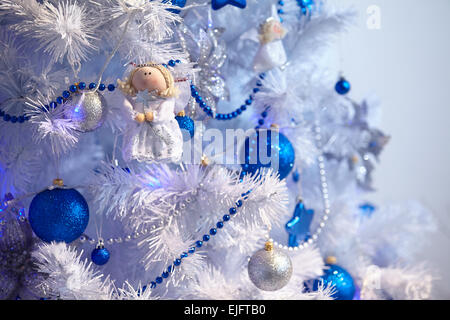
point(73, 89)
point(226, 116)
point(199, 243)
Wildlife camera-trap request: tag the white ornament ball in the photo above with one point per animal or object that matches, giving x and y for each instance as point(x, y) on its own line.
point(270, 269)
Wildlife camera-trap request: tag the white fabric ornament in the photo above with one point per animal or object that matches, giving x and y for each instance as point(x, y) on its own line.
point(271, 53)
point(155, 136)
point(159, 140)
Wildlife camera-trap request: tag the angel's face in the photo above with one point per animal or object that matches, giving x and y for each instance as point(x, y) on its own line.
point(148, 78)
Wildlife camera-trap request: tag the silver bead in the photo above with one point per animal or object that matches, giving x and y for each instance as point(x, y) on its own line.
point(270, 270)
point(87, 109)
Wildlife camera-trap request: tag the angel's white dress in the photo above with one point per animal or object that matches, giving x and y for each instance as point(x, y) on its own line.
point(269, 56)
point(158, 141)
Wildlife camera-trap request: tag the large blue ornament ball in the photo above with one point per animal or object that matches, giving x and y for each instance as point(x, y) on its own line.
point(281, 153)
point(342, 86)
point(59, 215)
point(187, 127)
point(344, 286)
point(100, 256)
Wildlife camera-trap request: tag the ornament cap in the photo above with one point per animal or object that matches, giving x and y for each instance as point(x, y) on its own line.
point(181, 114)
point(58, 182)
point(331, 260)
point(268, 246)
point(100, 244)
point(205, 161)
point(274, 126)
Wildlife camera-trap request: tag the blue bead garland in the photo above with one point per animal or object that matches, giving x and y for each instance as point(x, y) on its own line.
point(306, 6)
point(59, 100)
point(199, 243)
point(226, 116)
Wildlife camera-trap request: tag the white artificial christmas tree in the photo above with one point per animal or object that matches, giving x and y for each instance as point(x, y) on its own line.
point(187, 228)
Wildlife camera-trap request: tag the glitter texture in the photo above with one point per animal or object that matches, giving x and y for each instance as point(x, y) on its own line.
point(100, 256)
point(8, 283)
point(187, 127)
point(277, 153)
point(270, 270)
point(88, 109)
point(15, 237)
point(59, 215)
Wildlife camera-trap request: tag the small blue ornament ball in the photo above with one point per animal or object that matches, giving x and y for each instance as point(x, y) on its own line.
point(187, 127)
point(344, 286)
point(262, 150)
point(343, 86)
point(59, 215)
point(100, 256)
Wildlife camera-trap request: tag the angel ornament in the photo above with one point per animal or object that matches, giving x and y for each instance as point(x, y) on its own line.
point(271, 53)
point(155, 135)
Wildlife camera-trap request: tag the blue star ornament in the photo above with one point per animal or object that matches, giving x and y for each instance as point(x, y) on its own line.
point(298, 226)
point(219, 4)
point(367, 209)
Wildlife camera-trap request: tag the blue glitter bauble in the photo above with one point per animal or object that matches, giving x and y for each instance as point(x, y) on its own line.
point(281, 153)
point(344, 286)
point(186, 124)
point(100, 256)
point(342, 86)
point(59, 215)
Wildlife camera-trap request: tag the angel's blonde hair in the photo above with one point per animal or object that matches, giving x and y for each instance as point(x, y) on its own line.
point(266, 33)
point(126, 85)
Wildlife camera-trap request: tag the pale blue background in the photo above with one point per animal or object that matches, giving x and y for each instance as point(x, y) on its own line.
point(407, 64)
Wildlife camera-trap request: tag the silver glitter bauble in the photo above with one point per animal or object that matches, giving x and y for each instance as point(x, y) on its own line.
point(33, 285)
point(15, 235)
point(87, 109)
point(270, 269)
point(8, 284)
